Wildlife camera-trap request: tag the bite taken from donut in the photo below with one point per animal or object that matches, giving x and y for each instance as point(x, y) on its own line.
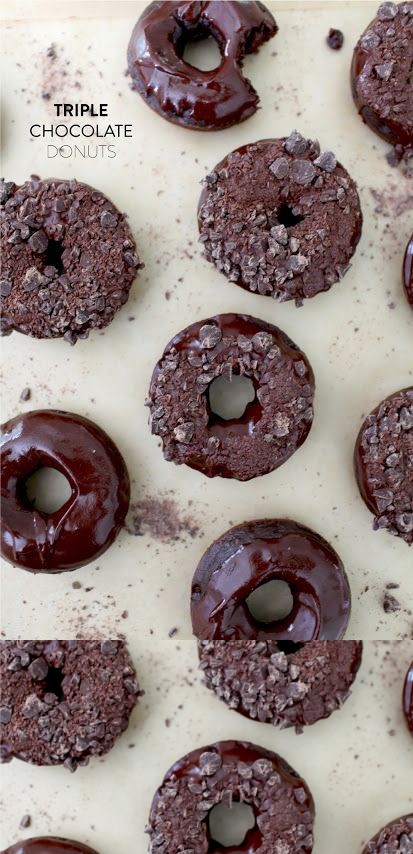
point(64, 701)
point(280, 218)
point(225, 774)
point(281, 683)
point(275, 422)
point(68, 259)
point(383, 462)
point(89, 520)
point(257, 553)
point(177, 90)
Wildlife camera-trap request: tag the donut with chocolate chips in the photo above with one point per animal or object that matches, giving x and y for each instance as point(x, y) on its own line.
point(408, 698)
point(284, 684)
point(181, 93)
point(279, 218)
point(68, 259)
point(49, 845)
point(91, 518)
point(408, 271)
point(383, 460)
point(252, 554)
point(223, 773)
point(381, 74)
point(273, 425)
point(395, 838)
point(64, 701)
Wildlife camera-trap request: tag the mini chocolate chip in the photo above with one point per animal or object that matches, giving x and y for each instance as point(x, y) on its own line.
point(26, 394)
point(335, 39)
point(38, 669)
point(38, 242)
point(25, 821)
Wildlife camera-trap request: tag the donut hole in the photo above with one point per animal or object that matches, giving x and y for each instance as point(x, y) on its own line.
point(229, 399)
point(289, 647)
point(271, 602)
point(53, 682)
point(229, 826)
point(53, 255)
point(201, 51)
point(46, 489)
point(287, 217)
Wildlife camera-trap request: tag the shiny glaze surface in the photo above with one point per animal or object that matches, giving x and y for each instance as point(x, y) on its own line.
point(408, 698)
point(49, 845)
point(408, 271)
point(251, 555)
point(232, 753)
point(90, 519)
point(204, 100)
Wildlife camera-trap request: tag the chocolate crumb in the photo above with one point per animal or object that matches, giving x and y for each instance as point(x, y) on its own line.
point(335, 39)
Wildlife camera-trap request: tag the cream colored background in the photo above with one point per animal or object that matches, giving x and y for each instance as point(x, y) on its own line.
point(359, 773)
point(360, 349)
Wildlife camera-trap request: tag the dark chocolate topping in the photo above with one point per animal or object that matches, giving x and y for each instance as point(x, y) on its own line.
point(282, 684)
point(254, 553)
point(68, 259)
point(381, 73)
point(408, 698)
point(64, 701)
point(49, 845)
point(395, 838)
point(408, 271)
point(383, 460)
point(273, 426)
point(181, 93)
point(86, 525)
point(222, 773)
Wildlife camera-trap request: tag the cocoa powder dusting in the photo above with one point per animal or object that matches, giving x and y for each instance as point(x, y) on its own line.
point(161, 518)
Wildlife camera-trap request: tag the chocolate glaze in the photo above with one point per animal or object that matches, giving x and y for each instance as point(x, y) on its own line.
point(273, 425)
point(86, 525)
point(49, 844)
point(181, 93)
point(408, 271)
point(297, 810)
point(408, 698)
point(254, 553)
point(380, 74)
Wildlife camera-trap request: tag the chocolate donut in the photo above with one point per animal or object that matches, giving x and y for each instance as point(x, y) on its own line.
point(223, 773)
point(408, 698)
point(395, 838)
point(280, 219)
point(181, 93)
point(383, 461)
point(88, 522)
point(249, 555)
point(381, 74)
point(284, 684)
point(68, 259)
point(64, 701)
point(49, 844)
point(273, 425)
point(408, 271)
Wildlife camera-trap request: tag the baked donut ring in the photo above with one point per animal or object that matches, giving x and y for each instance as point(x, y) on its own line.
point(181, 93)
point(274, 425)
point(249, 555)
point(49, 845)
point(223, 773)
point(89, 521)
point(395, 838)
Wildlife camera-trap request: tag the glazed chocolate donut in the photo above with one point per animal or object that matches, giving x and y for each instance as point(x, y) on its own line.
point(283, 684)
point(273, 425)
point(381, 74)
point(408, 698)
point(87, 524)
point(395, 838)
point(280, 219)
point(181, 93)
point(64, 701)
point(408, 271)
point(249, 555)
point(68, 259)
point(383, 461)
point(225, 772)
point(49, 845)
